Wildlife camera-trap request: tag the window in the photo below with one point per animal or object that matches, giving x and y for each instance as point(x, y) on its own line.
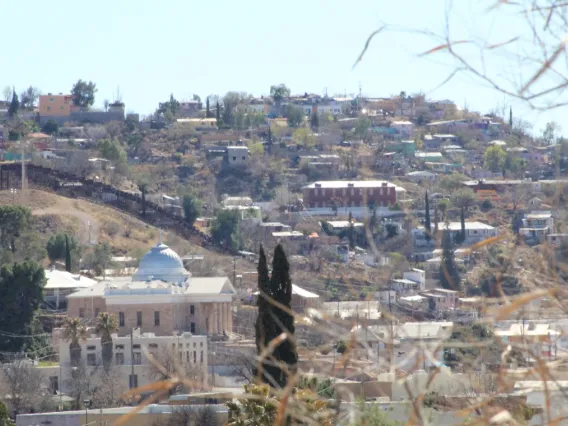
point(234, 158)
point(49, 108)
point(97, 311)
point(133, 381)
point(137, 358)
point(244, 158)
point(153, 345)
point(91, 348)
point(119, 347)
point(201, 344)
point(191, 309)
point(201, 357)
point(194, 357)
point(54, 384)
point(139, 318)
point(81, 312)
point(187, 356)
point(121, 319)
point(119, 358)
point(192, 327)
point(135, 346)
point(51, 100)
point(91, 359)
point(156, 318)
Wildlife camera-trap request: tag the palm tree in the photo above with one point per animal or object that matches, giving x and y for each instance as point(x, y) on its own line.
point(105, 326)
point(74, 331)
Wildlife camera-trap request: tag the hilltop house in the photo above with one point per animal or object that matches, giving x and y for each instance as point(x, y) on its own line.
point(474, 232)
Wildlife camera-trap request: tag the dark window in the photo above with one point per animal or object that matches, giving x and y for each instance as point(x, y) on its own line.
point(139, 318)
point(153, 345)
point(119, 347)
point(97, 311)
point(191, 309)
point(194, 357)
point(54, 384)
point(201, 357)
point(91, 359)
point(137, 358)
point(156, 318)
point(135, 346)
point(192, 327)
point(133, 381)
point(81, 312)
point(91, 348)
point(119, 357)
point(121, 319)
point(234, 158)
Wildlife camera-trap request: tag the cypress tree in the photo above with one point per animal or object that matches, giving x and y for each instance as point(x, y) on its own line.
point(511, 117)
point(218, 113)
point(263, 328)
point(272, 320)
point(427, 223)
point(207, 110)
point(14, 104)
point(281, 287)
point(436, 219)
point(449, 273)
point(67, 254)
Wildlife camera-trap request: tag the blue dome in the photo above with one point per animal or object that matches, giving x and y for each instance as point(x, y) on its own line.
point(161, 263)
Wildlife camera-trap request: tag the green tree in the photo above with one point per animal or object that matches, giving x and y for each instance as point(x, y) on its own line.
point(294, 115)
point(225, 229)
point(323, 388)
point(105, 326)
point(472, 348)
point(464, 197)
point(51, 127)
point(305, 137)
point(56, 246)
point(14, 221)
point(67, 254)
point(191, 209)
point(218, 114)
point(494, 158)
point(84, 93)
point(314, 122)
point(143, 188)
point(279, 92)
point(449, 272)
point(14, 105)
point(21, 292)
point(29, 97)
point(207, 108)
point(443, 205)
point(112, 150)
point(549, 134)
point(169, 109)
point(511, 117)
point(7, 93)
point(460, 238)
point(74, 332)
point(427, 221)
point(274, 317)
point(362, 126)
point(4, 416)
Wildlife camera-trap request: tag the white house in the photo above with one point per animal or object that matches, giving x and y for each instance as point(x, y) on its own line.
point(474, 232)
point(536, 225)
point(237, 155)
point(62, 283)
point(412, 281)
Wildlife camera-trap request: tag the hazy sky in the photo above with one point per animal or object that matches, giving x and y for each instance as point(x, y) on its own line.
point(149, 49)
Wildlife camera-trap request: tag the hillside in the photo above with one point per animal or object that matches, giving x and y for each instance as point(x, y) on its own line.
point(125, 234)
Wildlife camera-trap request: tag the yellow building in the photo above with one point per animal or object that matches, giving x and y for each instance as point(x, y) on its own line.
point(55, 105)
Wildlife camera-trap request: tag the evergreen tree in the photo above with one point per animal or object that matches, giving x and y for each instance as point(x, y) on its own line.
point(449, 273)
point(281, 288)
point(67, 254)
point(274, 318)
point(218, 113)
point(511, 117)
point(207, 110)
point(436, 219)
point(314, 121)
point(14, 104)
point(427, 223)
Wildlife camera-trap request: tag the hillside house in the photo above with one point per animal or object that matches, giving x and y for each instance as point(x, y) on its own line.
point(474, 232)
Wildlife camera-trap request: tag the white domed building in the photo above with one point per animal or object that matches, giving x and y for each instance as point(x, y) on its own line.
point(162, 297)
point(161, 263)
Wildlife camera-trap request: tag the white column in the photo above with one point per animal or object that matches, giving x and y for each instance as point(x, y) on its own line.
point(230, 308)
point(215, 318)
